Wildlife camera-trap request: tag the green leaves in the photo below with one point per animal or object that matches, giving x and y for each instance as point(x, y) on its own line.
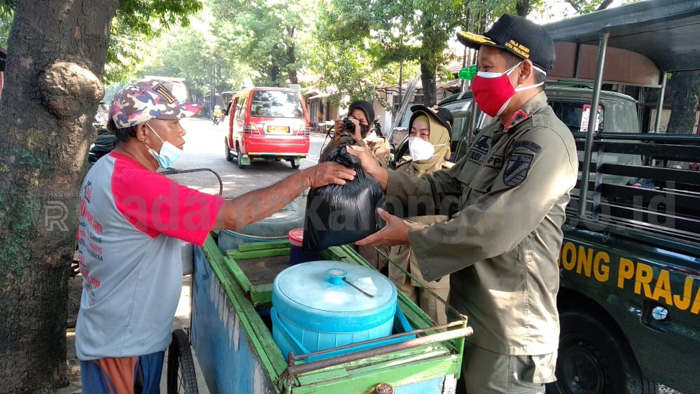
point(5, 24)
point(136, 25)
point(273, 42)
point(7, 7)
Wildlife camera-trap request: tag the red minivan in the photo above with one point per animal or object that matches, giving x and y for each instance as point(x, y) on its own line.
point(268, 123)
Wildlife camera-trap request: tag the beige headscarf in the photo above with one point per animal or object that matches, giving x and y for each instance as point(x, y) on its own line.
point(439, 137)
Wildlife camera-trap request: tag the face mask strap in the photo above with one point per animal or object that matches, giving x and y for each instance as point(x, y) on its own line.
point(520, 89)
point(510, 70)
point(156, 133)
point(486, 74)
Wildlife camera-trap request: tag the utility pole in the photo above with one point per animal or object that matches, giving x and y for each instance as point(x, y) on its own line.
point(211, 90)
point(464, 64)
point(400, 81)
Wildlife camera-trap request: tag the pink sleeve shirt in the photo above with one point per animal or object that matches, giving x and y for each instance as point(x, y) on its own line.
point(132, 223)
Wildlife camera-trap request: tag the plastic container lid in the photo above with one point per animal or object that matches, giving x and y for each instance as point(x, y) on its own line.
point(317, 295)
point(296, 236)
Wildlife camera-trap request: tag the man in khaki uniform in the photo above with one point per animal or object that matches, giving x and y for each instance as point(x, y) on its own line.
point(511, 191)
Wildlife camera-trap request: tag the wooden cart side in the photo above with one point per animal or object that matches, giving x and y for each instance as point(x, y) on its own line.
point(261, 338)
point(242, 345)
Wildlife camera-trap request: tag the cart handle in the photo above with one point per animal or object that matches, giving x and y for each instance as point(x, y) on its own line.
point(174, 171)
point(294, 370)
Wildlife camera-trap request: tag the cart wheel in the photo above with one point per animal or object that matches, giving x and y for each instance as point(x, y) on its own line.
point(181, 374)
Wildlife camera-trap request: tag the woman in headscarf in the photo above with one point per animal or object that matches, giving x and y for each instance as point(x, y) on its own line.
point(364, 134)
point(429, 147)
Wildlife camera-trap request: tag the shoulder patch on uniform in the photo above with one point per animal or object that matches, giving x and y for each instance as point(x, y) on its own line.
point(517, 168)
point(529, 145)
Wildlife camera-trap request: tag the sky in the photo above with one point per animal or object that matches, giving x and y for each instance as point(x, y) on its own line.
point(560, 9)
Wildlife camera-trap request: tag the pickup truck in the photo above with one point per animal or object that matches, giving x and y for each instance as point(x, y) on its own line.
point(629, 299)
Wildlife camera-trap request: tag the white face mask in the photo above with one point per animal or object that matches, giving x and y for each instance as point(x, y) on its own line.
point(420, 149)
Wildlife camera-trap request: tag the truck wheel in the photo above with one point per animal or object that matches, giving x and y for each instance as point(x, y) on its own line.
point(227, 152)
point(181, 374)
point(293, 164)
point(595, 358)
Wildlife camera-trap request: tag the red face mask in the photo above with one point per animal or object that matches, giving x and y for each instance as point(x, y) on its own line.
point(493, 91)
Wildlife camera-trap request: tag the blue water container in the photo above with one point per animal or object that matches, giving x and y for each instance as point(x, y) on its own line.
point(274, 228)
point(321, 305)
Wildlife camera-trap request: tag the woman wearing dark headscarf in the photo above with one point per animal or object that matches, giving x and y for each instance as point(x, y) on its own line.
point(362, 114)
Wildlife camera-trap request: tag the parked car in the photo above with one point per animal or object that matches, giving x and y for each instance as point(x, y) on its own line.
point(267, 123)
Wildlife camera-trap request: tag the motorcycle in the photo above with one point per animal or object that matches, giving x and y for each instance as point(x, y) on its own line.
point(217, 115)
point(105, 141)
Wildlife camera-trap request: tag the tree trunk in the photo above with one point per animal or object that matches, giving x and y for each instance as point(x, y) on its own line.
point(605, 4)
point(522, 7)
point(291, 57)
point(428, 70)
point(685, 102)
point(57, 50)
point(274, 73)
point(291, 65)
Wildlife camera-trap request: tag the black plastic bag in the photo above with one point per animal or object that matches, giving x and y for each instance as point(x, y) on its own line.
point(337, 215)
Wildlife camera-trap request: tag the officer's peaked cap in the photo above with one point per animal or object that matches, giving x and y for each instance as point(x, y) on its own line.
point(517, 35)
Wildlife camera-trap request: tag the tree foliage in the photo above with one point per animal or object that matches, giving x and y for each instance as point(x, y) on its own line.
point(392, 31)
point(265, 36)
point(5, 24)
point(193, 53)
point(351, 45)
point(135, 26)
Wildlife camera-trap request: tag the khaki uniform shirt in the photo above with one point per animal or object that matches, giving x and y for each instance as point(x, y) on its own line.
point(501, 247)
point(404, 256)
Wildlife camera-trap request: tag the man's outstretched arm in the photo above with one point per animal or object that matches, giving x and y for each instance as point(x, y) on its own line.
point(259, 204)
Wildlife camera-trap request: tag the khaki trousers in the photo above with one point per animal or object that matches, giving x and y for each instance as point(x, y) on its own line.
point(486, 372)
point(429, 304)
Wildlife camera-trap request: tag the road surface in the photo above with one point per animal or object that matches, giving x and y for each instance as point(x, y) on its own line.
point(204, 148)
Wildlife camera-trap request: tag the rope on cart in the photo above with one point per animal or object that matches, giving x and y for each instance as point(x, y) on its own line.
point(421, 284)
